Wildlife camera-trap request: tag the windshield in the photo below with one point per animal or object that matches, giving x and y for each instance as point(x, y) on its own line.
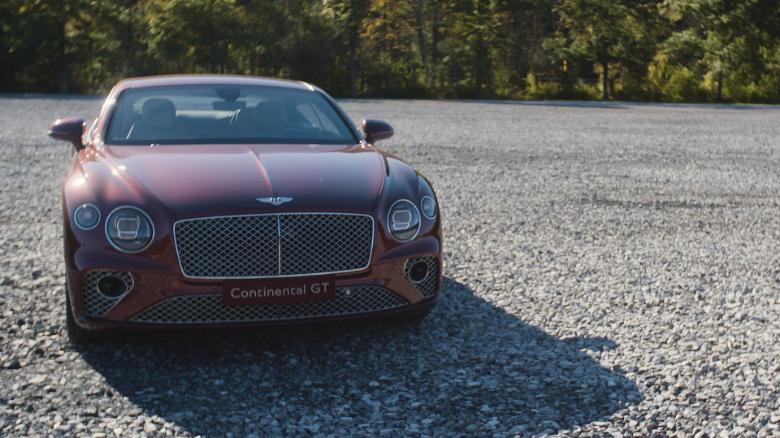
point(225, 114)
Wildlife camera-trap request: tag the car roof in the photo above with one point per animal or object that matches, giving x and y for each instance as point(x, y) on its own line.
point(168, 80)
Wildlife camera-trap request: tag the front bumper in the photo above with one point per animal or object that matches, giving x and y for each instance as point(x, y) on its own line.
point(161, 297)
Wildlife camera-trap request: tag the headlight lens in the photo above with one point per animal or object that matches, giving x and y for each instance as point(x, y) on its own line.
point(428, 205)
point(403, 220)
point(86, 216)
point(129, 229)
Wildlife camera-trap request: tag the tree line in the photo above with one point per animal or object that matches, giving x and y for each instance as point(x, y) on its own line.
point(661, 50)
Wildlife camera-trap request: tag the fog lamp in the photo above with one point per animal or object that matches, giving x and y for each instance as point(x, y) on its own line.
point(428, 207)
point(86, 216)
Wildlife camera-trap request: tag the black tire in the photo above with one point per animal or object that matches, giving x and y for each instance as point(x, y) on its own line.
point(76, 334)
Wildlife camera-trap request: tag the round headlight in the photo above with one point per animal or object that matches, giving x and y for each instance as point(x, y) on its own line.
point(86, 216)
point(129, 229)
point(403, 220)
point(428, 207)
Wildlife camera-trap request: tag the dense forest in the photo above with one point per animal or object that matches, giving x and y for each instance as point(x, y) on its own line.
point(664, 50)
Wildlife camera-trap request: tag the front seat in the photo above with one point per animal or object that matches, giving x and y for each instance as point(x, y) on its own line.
point(156, 121)
point(270, 118)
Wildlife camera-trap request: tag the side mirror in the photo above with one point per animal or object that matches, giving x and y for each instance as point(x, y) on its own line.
point(376, 130)
point(70, 129)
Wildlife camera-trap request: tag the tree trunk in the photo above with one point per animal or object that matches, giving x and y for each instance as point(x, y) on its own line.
point(128, 42)
point(719, 92)
point(419, 7)
point(357, 12)
point(353, 69)
point(212, 42)
point(481, 69)
point(605, 80)
point(479, 66)
point(63, 74)
point(435, 38)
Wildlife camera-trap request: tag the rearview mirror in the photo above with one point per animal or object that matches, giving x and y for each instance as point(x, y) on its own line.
point(70, 129)
point(375, 130)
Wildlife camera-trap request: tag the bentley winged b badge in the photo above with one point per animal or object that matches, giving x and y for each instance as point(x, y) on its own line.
point(275, 200)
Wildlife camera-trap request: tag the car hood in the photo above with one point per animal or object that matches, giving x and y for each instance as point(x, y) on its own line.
point(203, 180)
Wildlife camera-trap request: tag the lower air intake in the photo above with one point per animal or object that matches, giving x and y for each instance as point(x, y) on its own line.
point(95, 303)
point(428, 286)
point(208, 309)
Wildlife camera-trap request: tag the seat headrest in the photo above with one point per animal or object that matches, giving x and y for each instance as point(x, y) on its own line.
point(158, 113)
point(270, 115)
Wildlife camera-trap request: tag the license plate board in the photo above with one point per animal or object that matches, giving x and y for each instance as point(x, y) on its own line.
point(277, 291)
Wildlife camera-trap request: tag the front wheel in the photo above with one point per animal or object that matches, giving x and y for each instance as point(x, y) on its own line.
point(76, 333)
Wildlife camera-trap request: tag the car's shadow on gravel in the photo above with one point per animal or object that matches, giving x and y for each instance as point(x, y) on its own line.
point(469, 367)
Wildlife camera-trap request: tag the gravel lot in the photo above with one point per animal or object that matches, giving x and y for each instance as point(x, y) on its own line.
point(609, 269)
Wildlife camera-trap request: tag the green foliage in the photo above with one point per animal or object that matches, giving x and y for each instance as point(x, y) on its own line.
point(549, 90)
point(610, 33)
point(724, 44)
point(674, 82)
point(670, 50)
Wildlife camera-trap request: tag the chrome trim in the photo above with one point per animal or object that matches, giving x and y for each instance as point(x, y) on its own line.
point(416, 260)
point(308, 213)
point(193, 309)
point(430, 285)
point(116, 247)
point(120, 296)
point(77, 222)
point(275, 200)
point(279, 244)
point(116, 300)
point(435, 206)
point(419, 224)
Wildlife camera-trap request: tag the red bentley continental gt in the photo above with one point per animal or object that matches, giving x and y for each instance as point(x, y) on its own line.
point(215, 200)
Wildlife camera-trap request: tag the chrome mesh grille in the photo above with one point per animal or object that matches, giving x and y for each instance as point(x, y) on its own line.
point(430, 285)
point(255, 246)
point(208, 309)
point(236, 246)
point(95, 303)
